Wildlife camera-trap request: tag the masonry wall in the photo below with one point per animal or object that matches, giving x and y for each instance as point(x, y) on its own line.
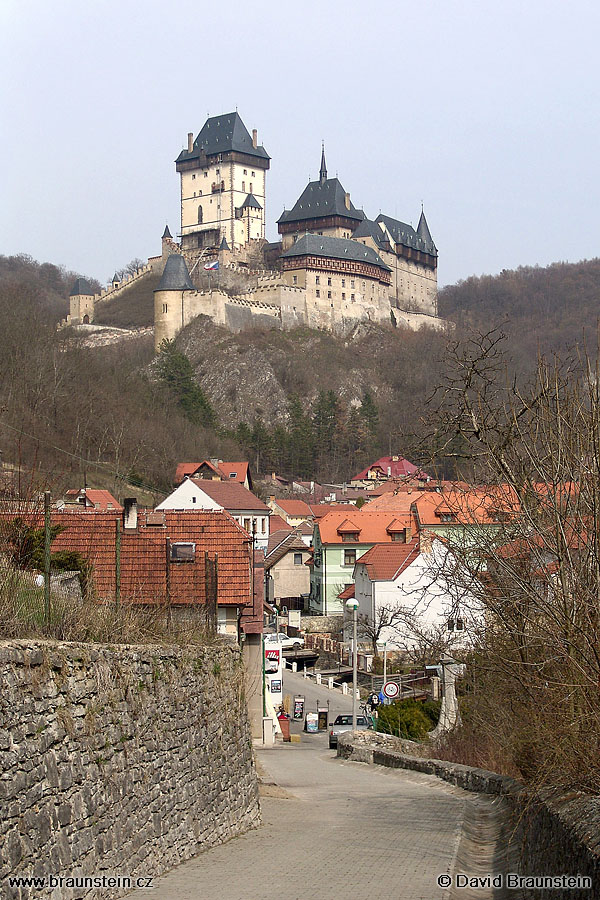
point(124, 760)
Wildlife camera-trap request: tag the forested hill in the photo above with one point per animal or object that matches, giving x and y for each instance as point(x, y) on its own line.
point(542, 309)
point(304, 403)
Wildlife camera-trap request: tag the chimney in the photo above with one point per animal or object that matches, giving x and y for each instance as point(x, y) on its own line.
point(408, 534)
point(347, 201)
point(190, 141)
point(254, 138)
point(130, 512)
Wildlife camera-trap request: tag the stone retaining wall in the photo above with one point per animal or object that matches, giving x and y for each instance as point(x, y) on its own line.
point(122, 760)
point(553, 835)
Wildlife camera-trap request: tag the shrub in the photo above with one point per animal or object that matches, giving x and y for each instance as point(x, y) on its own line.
point(405, 719)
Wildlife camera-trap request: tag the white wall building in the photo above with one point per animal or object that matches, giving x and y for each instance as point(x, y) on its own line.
point(412, 585)
point(250, 512)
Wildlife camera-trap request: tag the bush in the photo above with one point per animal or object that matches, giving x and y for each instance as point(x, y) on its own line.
point(432, 708)
point(405, 719)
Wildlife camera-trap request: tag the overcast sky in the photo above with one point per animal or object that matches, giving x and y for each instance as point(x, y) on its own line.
point(486, 112)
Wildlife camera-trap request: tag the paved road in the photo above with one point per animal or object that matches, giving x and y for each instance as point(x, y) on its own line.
point(331, 830)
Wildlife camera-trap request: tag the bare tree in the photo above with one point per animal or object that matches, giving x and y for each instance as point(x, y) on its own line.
point(534, 568)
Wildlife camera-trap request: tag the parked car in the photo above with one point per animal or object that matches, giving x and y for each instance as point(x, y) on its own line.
point(344, 723)
point(284, 641)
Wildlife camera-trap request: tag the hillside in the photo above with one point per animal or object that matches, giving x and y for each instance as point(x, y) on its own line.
point(304, 402)
point(540, 309)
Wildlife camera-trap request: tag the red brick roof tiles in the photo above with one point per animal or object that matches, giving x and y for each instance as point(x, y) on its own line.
point(384, 562)
point(146, 574)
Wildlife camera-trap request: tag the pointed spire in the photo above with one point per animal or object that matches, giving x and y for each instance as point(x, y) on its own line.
point(323, 172)
point(166, 233)
point(115, 279)
point(423, 230)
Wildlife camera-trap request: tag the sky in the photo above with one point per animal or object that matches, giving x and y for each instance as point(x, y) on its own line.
point(485, 112)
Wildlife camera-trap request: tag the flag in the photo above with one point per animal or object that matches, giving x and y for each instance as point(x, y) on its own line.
point(211, 266)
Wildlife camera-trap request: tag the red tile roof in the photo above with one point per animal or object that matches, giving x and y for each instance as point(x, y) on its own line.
point(94, 497)
point(229, 471)
point(294, 507)
point(322, 509)
point(391, 467)
point(384, 562)
point(232, 496)
point(348, 593)
point(146, 575)
point(276, 523)
point(371, 526)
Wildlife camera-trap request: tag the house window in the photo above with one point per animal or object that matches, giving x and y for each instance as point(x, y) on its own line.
point(182, 552)
point(460, 625)
point(233, 474)
point(247, 525)
point(446, 517)
point(350, 537)
point(297, 559)
point(318, 292)
point(349, 557)
point(218, 172)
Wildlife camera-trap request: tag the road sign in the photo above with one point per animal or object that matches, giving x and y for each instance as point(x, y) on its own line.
point(391, 690)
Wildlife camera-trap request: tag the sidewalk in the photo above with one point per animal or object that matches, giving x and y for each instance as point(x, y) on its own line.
point(331, 830)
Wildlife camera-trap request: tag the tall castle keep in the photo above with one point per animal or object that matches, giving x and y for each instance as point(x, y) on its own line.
point(332, 268)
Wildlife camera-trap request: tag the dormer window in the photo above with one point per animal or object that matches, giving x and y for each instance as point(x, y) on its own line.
point(233, 474)
point(350, 537)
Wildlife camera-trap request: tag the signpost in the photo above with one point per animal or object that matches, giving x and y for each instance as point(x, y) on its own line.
point(391, 689)
point(298, 707)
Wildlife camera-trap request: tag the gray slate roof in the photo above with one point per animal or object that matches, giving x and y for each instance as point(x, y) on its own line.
point(423, 231)
point(115, 278)
point(319, 199)
point(251, 201)
point(175, 276)
point(406, 235)
point(82, 286)
point(334, 248)
point(166, 232)
point(367, 228)
point(224, 245)
point(221, 134)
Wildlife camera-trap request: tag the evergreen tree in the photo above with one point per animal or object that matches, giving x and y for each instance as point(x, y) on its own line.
point(176, 372)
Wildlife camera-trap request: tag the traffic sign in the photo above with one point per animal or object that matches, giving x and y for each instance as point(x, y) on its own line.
point(391, 690)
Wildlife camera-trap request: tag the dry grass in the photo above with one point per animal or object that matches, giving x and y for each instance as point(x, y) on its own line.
point(22, 615)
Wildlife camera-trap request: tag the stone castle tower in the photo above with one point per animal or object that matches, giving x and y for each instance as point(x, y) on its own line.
point(223, 185)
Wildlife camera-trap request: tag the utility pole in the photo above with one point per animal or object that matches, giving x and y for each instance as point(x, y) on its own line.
point(352, 605)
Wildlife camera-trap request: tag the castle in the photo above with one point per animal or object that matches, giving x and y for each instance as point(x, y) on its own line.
point(332, 268)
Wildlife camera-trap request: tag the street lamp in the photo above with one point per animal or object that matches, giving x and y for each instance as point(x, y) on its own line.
point(352, 606)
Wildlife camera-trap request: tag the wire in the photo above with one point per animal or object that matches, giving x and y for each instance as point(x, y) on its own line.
point(88, 462)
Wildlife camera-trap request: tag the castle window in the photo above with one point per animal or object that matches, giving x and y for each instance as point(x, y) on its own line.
point(218, 172)
point(343, 282)
point(352, 282)
point(243, 185)
point(200, 215)
point(245, 171)
point(329, 282)
point(318, 292)
point(352, 297)
point(295, 279)
point(250, 187)
point(206, 174)
point(199, 193)
point(329, 295)
point(343, 296)
point(165, 308)
point(193, 177)
point(317, 279)
point(253, 174)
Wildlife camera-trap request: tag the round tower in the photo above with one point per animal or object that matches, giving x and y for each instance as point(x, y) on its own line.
point(169, 316)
